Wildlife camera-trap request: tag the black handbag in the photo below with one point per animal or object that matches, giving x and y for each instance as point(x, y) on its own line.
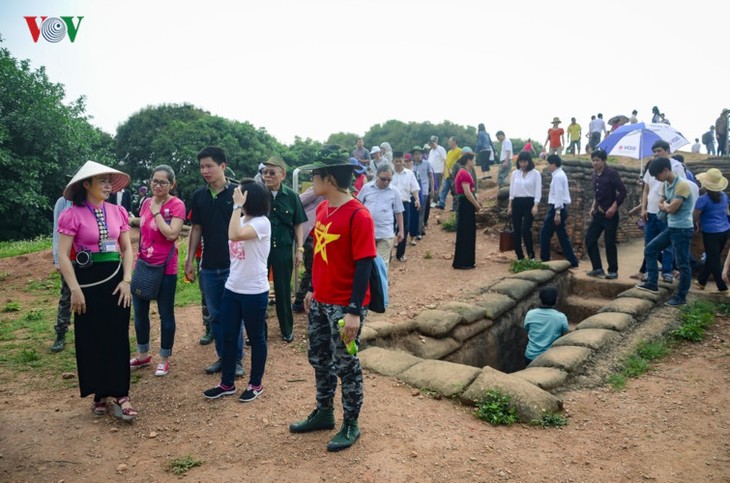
point(147, 278)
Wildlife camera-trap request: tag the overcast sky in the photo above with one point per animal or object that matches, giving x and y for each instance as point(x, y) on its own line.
point(309, 68)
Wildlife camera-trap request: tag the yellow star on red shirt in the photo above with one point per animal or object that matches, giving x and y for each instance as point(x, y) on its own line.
point(322, 238)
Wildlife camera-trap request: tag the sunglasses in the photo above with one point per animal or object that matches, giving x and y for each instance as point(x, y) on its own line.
point(268, 172)
point(159, 182)
point(385, 180)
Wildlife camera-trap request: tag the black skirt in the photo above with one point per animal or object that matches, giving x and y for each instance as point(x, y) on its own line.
point(466, 235)
point(102, 334)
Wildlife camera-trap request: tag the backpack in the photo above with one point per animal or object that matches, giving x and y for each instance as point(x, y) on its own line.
point(378, 280)
point(707, 138)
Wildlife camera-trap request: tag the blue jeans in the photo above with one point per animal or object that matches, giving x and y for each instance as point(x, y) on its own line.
point(445, 189)
point(653, 227)
point(252, 309)
point(166, 308)
point(213, 281)
point(679, 239)
point(546, 234)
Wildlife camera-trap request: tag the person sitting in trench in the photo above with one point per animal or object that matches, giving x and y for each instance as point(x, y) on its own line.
point(544, 325)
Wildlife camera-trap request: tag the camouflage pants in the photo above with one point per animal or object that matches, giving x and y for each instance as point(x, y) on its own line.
point(63, 318)
point(330, 360)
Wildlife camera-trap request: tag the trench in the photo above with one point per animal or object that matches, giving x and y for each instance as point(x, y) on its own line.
point(500, 343)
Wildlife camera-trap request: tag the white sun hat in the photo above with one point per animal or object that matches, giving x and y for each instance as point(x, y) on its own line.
point(90, 169)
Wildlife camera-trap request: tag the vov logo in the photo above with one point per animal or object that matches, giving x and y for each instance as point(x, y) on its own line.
point(53, 29)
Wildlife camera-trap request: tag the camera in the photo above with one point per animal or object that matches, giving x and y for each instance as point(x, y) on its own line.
point(83, 259)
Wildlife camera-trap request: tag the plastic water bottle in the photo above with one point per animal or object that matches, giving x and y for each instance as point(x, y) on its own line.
point(352, 345)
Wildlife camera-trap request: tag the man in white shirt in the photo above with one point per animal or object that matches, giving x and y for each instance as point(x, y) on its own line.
point(505, 158)
point(696, 146)
point(595, 127)
point(384, 203)
point(437, 158)
point(407, 185)
point(557, 214)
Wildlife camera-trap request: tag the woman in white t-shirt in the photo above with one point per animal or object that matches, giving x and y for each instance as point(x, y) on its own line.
point(246, 294)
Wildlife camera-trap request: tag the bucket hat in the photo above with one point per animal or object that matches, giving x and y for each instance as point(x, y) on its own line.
point(330, 156)
point(713, 180)
point(90, 169)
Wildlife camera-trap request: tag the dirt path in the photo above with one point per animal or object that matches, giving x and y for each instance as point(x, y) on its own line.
point(671, 425)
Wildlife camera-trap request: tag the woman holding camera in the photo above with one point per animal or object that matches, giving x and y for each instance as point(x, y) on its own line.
point(99, 280)
point(161, 220)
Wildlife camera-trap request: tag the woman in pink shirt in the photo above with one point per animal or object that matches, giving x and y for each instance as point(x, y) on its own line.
point(161, 219)
point(99, 280)
point(466, 228)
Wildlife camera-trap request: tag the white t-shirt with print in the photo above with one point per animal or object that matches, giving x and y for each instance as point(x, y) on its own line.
point(249, 273)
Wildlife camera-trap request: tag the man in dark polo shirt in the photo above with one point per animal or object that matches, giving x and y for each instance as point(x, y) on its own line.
point(609, 193)
point(211, 208)
point(286, 216)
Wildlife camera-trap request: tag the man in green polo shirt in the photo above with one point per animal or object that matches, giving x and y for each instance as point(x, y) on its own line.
point(286, 216)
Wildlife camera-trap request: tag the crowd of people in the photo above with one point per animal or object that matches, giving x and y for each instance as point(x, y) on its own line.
point(361, 205)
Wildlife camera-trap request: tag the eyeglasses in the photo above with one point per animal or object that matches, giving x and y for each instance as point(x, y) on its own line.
point(159, 182)
point(385, 180)
point(268, 172)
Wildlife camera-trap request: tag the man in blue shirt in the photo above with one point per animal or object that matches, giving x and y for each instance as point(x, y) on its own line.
point(544, 325)
point(677, 202)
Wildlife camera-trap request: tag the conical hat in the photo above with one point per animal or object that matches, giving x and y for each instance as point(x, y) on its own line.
point(90, 169)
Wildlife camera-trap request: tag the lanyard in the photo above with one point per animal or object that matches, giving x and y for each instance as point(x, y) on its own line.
point(93, 212)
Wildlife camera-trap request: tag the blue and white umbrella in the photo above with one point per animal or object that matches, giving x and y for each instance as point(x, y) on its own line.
point(635, 140)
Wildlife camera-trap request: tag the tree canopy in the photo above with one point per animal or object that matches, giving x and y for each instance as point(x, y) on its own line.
point(42, 141)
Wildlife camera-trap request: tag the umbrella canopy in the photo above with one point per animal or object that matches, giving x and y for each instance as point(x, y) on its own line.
point(620, 119)
point(635, 140)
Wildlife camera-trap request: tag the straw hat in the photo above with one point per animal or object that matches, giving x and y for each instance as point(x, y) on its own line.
point(713, 180)
point(90, 169)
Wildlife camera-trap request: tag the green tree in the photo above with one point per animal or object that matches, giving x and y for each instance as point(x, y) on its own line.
point(42, 142)
point(174, 134)
point(403, 136)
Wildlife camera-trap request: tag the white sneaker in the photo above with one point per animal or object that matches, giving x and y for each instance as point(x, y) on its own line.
point(162, 369)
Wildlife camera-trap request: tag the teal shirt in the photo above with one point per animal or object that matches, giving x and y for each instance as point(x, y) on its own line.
point(543, 327)
point(680, 188)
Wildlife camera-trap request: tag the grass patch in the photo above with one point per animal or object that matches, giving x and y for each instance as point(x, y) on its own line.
point(187, 293)
point(496, 408)
point(449, 224)
point(696, 319)
point(517, 266)
point(16, 248)
point(12, 306)
point(52, 283)
point(617, 381)
point(182, 465)
point(550, 420)
point(427, 255)
point(652, 350)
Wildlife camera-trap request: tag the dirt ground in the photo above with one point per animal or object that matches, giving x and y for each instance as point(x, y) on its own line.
point(670, 425)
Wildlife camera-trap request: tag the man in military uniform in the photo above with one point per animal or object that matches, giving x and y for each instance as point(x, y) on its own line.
point(286, 216)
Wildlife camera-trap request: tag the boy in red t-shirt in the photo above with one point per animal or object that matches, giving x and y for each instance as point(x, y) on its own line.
point(344, 249)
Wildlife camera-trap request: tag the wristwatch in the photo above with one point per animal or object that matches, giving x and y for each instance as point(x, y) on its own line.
point(237, 207)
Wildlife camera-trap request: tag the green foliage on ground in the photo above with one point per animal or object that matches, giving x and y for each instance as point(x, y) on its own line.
point(22, 247)
point(449, 224)
point(517, 266)
point(550, 420)
point(496, 408)
point(180, 466)
point(696, 318)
